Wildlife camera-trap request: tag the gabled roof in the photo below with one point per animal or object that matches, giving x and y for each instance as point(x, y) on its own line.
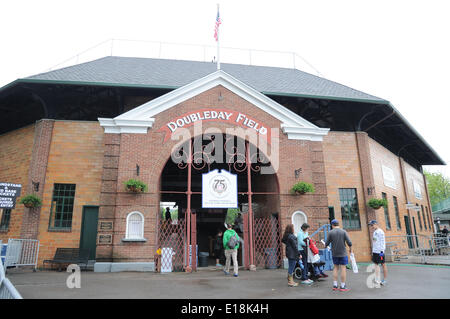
point(139, 119)
point(172, 74)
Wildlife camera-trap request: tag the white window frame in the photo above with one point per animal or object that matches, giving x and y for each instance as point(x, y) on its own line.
point(296, 230)
point(128, 225)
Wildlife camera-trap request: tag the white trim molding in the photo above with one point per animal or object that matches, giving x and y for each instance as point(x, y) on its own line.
point(140, 236)
point(141, 118)
point(298, 227)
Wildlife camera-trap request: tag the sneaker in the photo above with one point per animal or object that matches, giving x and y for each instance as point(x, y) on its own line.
point(218, 265)
point(235, 275)
point(335, 288)
point(344, 288)
point(323, 275)
point(226, 272)
point(307, 282)
point(383, 282)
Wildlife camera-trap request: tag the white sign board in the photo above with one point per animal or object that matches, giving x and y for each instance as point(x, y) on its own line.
point(388, 177)
point(417, 190)
point(412, 207)
point(219, 189)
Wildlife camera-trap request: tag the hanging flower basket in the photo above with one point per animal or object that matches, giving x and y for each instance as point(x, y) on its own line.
point(302, 188)
point(376, 203)
point(135, 186)
point(31, 201)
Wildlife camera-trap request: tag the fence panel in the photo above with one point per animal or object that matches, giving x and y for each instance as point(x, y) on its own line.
point(426, 249)
point(7, 289)
point(267, 242)
point(172, 238)
point(22, 252)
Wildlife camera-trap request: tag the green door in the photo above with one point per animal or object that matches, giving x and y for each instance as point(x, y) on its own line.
point(408, 233)
point(88, 239)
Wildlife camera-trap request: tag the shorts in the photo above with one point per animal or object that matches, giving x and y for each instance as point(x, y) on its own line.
point(340, 260)
point(377, 259)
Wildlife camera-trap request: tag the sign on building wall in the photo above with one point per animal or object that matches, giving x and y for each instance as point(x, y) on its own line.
point(216, 115)
point(219, 189)
point(417, 190)
point(8, 195)
point(388, 177)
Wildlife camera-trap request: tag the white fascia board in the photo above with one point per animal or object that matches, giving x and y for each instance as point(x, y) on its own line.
point(118, 126)
point(166, 101)
point(293, 125)
point(305, 133)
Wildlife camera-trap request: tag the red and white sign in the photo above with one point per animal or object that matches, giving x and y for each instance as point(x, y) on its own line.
point(217, 115)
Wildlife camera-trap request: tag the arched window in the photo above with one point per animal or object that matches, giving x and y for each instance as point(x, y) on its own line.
point(135, 226)
point(298, 219)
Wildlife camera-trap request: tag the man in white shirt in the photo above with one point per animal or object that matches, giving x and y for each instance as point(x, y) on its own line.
point(378, 249)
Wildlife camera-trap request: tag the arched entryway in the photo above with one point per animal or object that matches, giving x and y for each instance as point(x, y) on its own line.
point(183, 222)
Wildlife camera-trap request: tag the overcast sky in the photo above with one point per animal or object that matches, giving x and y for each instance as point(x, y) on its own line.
point(396, 50)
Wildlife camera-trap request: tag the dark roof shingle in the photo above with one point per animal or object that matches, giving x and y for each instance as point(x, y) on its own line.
point(148, 72)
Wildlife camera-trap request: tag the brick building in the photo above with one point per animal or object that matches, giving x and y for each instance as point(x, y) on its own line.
point(73, 137)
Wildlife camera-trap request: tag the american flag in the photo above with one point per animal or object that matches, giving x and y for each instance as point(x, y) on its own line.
point(216, 29)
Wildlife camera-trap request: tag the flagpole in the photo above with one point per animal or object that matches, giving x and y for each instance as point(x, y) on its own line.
point(218, 45)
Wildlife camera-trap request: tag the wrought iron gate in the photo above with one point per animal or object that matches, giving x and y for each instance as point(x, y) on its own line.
point(172, 242)
point(267, 242)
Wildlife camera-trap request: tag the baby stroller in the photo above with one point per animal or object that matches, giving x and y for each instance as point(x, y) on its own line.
point(314, 265)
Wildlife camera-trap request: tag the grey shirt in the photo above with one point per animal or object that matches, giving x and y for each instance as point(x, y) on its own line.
point(337, 237)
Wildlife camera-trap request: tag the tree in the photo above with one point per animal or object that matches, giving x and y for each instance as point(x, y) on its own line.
point(438, 187)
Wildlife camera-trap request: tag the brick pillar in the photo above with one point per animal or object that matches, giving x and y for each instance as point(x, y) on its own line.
point(108, 194)
point(38, 169)
point(405, 190)
point(365, 162)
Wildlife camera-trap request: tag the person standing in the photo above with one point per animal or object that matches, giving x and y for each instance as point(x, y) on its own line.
point(218, 248)
point(168, 215)
point(292, 253)
point(302, 237)
point(338, 237)
point(378, 249)
point(230, 253)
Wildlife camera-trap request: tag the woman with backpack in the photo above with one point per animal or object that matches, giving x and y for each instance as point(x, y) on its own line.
point(292, 253)
point(231, 246)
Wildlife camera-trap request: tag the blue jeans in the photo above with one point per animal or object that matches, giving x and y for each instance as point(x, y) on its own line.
point(317, 270)
point(305, 264)
point(292, 263)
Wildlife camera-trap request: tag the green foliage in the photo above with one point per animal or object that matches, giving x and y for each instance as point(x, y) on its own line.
point(376, 203)
point(302, 188)
point(231, 215)
point(31, 201)
point(136, 186)
point(438, 187)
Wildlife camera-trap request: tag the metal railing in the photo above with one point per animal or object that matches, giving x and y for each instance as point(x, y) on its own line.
point(192, 52)
point(22, 252)
point(421, 248)
point(7, 289)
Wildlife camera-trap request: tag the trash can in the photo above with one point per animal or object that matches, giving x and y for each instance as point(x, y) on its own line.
point(203, 258)
point(271, 258)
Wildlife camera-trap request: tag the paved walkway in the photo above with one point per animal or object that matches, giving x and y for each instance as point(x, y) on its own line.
point(412, 281)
